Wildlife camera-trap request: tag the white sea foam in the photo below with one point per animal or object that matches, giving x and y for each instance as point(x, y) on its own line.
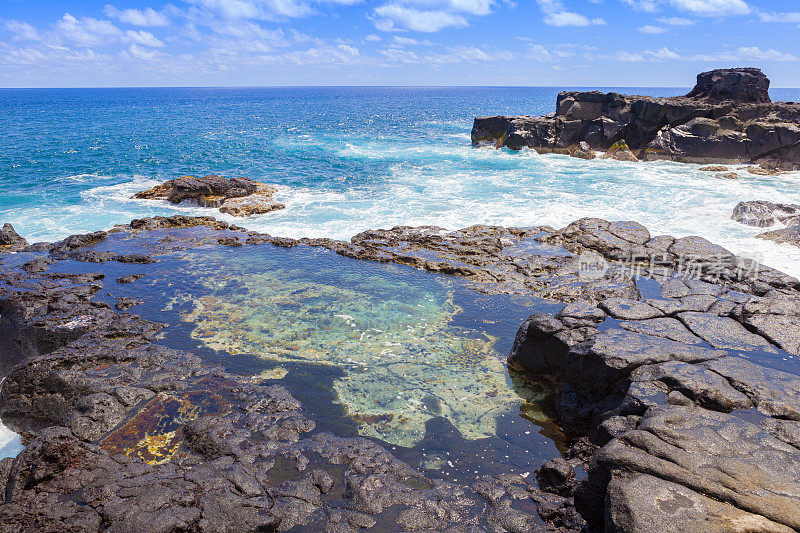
point(454, 185)
point(10, 443)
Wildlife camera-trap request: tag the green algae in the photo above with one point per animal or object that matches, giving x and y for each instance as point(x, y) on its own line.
point(404, 362)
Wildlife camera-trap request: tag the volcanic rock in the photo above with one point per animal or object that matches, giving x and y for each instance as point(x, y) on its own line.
point(728, 118)
point(239, 197)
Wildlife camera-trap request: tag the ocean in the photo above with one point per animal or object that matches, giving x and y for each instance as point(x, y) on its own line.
point(345, 160)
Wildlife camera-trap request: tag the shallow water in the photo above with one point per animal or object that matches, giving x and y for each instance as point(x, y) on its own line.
point(346, 159)
point(412, 359)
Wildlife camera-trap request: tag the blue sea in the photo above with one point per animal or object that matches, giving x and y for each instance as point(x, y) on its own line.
point(345, 159)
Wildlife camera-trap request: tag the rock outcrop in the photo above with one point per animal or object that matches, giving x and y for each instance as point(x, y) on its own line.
point(10, 239)
point(239, 197)
point(727, 118)
point(677, 366)
point(764, 214)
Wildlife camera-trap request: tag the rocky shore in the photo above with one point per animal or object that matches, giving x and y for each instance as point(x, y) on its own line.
point(727, 118)
point(240, 197)
point(676, 364)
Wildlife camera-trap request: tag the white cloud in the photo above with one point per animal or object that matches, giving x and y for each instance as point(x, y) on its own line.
point(648, 6)
point(137, 17)
point(86, 31)
point(754, 52)
point(542, 54)
point(675, 21)
point(556, 14)
point(454, 54)
point(704, 8)
point(744, 53)
point(407, 41)
point(22, 31)
point(144, 38)
point(791, 17)
point(325, 55)
point(255, 9)
point(652, 30)
point(398, 55)
point(372, 38)
point(394, 16)
point(429, 15)
point(568, 18)
point(712, 8)
point(137, 52)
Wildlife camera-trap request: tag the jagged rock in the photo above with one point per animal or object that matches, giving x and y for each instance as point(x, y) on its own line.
point(10, 239)
point(737, 84)
point(239, 197)
point(790, 235)
point(727, 118)
point(727, 176)
point(620, 151)
point(582, 151)
point(763, 214)
point(715, 455)
point(713, 168)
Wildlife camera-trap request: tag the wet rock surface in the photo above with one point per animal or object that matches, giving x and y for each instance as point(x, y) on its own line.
point(239, 197)
point(727, 118)
point(677, 363)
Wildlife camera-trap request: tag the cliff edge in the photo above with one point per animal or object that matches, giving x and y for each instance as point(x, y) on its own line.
point(727, 118)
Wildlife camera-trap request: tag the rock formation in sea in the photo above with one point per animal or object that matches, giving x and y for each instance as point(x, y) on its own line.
point(727, 118)
point(675, 364)
point(240, 197)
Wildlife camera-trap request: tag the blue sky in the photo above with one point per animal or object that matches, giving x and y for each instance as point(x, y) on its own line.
point(79, 43)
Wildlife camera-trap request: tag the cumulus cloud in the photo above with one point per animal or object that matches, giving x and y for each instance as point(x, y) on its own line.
point(85, 31)
point(652, 30)
point(137, 17)
point(428, 15)
point(556, 14)
point(393, 17)
point(22, 31)
point(712, 8)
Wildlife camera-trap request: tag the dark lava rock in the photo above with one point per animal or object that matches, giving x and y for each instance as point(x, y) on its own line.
point(693, 437)
point(737, 84)
point(10, 239)
point(556, 475)
point(727, 118)
point(123, 304)
point(234, 196)
point(130, 278)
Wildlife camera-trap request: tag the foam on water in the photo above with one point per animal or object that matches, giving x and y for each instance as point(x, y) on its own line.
point(353, 159)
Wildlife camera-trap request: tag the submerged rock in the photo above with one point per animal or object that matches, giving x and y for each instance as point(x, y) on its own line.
point(763, 214)
point(727, 118)
point(239, 197)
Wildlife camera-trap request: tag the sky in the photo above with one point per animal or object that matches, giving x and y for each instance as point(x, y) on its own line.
point(584, 43)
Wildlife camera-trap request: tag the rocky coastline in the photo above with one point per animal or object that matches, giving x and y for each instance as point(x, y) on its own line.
point(676, 364)
point(727, 118)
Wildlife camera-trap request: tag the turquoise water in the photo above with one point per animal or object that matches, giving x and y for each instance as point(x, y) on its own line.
point(345, 159)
